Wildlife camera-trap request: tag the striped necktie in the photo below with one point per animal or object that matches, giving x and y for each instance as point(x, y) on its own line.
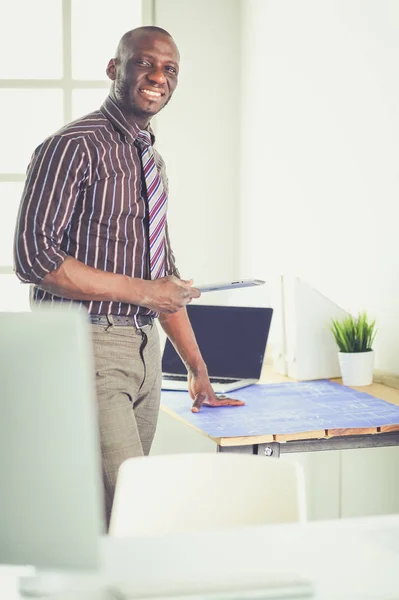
point(157, 198)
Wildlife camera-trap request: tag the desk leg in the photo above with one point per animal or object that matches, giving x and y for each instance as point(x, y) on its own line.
point(272, 449)
point(238, 449)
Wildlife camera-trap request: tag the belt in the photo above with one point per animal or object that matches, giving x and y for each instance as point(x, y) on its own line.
point(121, 321)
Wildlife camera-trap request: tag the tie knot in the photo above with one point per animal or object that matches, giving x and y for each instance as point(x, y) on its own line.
point(143, 139)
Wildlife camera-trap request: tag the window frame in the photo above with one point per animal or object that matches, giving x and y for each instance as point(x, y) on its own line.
point(66, 83)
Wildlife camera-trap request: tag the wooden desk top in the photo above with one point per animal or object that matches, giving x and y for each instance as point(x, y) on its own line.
point(377, 390)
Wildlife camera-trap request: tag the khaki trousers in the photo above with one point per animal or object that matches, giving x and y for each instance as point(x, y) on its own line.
point(128, 385)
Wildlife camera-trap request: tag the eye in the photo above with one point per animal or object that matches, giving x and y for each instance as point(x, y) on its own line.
point(143, 63)
point(172, 70)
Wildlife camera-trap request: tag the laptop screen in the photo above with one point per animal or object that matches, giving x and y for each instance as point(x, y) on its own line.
point(232, 340)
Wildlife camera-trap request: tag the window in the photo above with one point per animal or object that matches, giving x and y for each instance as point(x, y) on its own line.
point(55, 73)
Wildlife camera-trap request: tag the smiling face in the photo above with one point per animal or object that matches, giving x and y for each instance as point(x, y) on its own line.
point(144, 73)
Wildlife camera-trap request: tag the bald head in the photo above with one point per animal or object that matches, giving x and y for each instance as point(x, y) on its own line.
point(134, 37)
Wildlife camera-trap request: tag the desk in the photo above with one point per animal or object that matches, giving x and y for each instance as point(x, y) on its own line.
point(358, 481)
point(358, 433)
point(356, 559)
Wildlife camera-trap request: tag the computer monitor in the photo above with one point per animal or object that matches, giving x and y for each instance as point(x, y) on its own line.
point(51, 511)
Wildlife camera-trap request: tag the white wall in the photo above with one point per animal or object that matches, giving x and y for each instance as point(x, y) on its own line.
point(320, 150)
point(198, 134)
point(318, 180)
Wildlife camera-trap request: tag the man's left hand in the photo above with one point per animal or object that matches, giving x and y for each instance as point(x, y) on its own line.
point(202, 393)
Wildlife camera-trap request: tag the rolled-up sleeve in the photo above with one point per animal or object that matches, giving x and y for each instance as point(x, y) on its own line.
point(55, 178)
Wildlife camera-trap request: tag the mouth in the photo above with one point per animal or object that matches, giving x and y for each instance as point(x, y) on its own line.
point(153, 95)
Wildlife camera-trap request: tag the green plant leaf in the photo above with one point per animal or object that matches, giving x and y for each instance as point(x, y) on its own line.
point(354, 334)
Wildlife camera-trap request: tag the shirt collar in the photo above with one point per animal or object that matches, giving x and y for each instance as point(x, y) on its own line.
point(118, 119)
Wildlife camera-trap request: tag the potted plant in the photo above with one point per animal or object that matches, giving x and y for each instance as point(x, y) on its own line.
point(355, 338)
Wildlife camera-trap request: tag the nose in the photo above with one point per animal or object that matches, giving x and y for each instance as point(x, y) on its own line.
point(156, 75)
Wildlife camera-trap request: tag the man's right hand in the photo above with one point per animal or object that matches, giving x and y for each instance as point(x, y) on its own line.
point(168, 294)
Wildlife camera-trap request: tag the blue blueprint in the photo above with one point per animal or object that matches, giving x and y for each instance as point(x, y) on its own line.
point(280, 408)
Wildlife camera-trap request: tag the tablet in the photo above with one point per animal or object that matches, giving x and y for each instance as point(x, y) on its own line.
point(228, 285)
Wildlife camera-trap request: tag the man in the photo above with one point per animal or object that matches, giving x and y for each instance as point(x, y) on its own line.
point(92, 229)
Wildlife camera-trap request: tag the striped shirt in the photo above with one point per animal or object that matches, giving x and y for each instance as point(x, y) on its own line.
point(85, 197)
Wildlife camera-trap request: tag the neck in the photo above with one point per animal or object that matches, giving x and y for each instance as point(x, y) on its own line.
point(141, 120)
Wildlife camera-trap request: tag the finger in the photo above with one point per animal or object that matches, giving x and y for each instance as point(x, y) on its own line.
point(185, 299)
point(191, 293)
point(185, 282)
point(226, 402)
point(187, 296)
point(198, 402)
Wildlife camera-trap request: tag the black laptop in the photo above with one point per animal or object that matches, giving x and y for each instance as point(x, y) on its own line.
point(232, 340)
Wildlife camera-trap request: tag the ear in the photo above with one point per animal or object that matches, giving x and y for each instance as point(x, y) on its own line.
point(111, 69)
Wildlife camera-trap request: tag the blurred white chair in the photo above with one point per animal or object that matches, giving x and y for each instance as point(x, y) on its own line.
point(156, 495)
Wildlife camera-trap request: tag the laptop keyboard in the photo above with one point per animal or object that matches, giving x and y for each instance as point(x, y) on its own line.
point(211, 379)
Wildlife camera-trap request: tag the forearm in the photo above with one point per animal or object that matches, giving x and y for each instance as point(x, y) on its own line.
point(76, 281)
point(178, 328)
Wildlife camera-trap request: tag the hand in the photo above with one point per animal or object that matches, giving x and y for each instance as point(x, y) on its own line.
point(169, 294)
point(201, 392)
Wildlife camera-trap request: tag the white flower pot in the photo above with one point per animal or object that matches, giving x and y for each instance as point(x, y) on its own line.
point(356, 367)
